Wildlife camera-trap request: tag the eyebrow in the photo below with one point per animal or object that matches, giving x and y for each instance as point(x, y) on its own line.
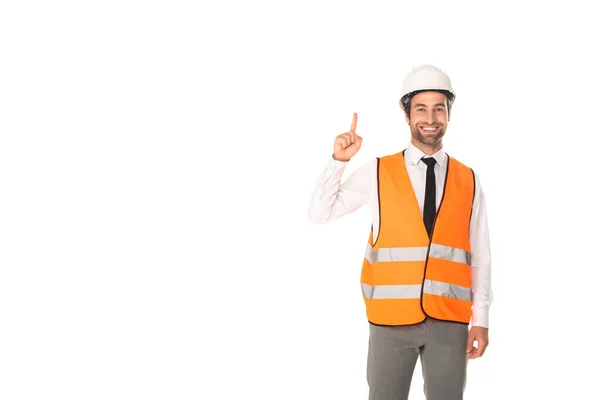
point(435, 105)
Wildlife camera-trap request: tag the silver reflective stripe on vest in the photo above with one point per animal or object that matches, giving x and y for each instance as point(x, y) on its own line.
point(414, 291)
point(450, 253)
point(395, 254)
point(391, 291)
point(417, 254)
point(447, 290)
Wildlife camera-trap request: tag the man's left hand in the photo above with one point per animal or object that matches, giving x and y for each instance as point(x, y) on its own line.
point(477, 334)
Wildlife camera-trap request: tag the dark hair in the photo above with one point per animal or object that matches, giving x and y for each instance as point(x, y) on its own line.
point(406, 99)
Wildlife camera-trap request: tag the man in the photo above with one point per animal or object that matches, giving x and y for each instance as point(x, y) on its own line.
point(426, 271)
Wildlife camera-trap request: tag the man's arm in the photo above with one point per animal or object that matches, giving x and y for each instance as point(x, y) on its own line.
point(480, 274)
point(480, 260)
point(332, 199)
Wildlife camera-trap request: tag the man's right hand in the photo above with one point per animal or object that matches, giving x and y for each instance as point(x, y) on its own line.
point(347, 144)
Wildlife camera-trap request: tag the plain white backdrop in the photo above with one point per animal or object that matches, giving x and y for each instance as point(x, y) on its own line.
point(156, 163)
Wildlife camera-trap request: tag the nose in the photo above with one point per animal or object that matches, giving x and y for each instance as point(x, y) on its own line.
point(430, 117)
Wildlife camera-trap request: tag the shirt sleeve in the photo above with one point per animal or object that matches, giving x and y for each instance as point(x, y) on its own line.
point(480, 260)
point(332, 199)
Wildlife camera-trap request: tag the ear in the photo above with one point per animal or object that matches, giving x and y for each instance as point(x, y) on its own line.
point(406, 115)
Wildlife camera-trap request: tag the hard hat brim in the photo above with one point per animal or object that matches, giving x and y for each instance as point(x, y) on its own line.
point(407, 97)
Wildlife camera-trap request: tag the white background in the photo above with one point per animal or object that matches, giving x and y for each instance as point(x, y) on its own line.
point(156, 163)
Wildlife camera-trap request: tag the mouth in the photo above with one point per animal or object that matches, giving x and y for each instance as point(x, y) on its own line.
point(429, 128)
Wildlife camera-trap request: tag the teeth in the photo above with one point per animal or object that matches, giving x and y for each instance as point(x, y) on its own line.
point(429, 129)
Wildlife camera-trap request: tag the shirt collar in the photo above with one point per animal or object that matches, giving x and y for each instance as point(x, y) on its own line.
point(414, 155)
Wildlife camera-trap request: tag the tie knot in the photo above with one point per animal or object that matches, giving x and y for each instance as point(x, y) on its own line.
point(430, 161)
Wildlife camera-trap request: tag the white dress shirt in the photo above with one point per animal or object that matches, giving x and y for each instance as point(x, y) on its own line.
point(332, 199)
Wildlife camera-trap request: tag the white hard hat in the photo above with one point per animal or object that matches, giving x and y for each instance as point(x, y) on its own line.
point(426, 77)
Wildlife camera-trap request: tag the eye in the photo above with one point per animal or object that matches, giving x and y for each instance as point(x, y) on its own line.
point(439, 109)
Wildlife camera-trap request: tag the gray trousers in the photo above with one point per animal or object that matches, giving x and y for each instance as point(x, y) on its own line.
point(393, 353)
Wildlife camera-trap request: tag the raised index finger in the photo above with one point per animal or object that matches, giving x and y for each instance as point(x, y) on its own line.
point(353, 126)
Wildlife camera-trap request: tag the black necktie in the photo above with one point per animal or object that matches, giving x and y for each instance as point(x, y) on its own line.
point(429, 204)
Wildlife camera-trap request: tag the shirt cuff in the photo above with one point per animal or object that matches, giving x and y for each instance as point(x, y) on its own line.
point(480, 317)
point(336, 165)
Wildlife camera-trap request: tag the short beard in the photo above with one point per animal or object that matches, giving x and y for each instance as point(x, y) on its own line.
point(427, 140)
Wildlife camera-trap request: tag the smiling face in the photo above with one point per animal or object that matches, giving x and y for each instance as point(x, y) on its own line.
point(428, 119)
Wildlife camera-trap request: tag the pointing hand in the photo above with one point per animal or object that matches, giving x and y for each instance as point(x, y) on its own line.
point(347, 144)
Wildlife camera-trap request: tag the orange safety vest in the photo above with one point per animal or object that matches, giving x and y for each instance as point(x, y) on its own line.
point(406, 276)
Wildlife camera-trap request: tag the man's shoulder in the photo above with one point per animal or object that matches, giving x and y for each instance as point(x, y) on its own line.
point(466, 168)
point(391, 156)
